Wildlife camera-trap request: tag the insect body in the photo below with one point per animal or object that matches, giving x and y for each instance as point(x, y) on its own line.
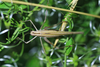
point(51, 33)
point(48, 34)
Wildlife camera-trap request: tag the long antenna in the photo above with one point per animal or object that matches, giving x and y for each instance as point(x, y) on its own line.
point(44, 20)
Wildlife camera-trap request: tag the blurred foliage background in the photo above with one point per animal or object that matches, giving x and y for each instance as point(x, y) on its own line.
point(14, 24)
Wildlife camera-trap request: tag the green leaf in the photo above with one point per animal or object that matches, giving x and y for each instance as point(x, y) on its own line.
point(22, 6)
point(68, 47)
point(97, 33)
point(75, 60)
point(33, 62)
point(5, 5)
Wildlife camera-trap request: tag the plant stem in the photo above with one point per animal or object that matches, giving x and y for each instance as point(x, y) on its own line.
point(65, 60)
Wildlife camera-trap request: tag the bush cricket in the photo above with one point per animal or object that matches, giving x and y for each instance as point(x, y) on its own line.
point(48, 33)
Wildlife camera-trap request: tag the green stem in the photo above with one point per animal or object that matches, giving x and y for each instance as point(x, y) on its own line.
point(65, 59)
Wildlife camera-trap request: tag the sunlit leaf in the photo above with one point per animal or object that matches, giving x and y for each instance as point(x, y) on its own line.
point(68, 47)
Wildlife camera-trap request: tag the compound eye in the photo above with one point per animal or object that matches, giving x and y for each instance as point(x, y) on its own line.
point(32, 33)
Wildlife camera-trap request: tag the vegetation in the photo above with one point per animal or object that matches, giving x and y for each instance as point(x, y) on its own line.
point(79, 50)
